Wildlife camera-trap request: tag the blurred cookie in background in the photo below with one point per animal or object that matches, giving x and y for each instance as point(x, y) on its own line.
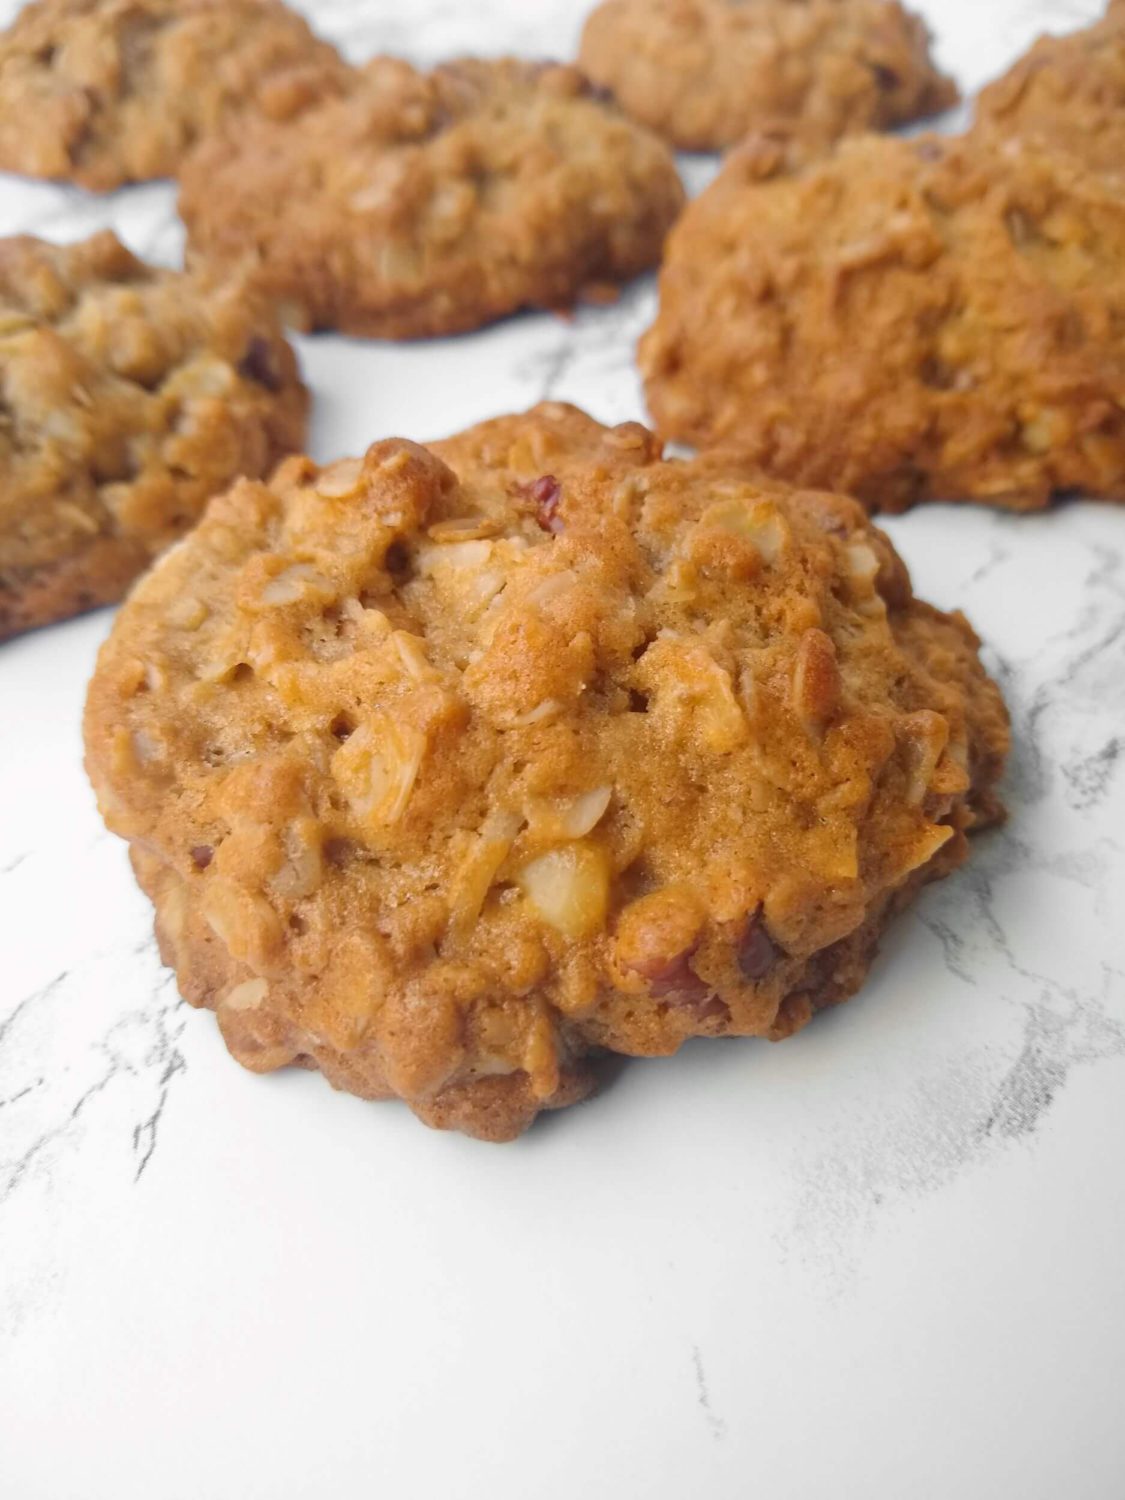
point(905, 320)
point(128, 396)
point(107, 92)
point(706, 73)
point(1068, 90)
point(421, 204)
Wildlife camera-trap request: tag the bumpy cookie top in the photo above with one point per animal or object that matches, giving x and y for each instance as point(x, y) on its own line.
point(704, 73)
point(1069, 90)
point(422, 204)
point(103, 92)
point(446, 765)
point(128, 396)
point(904, 320)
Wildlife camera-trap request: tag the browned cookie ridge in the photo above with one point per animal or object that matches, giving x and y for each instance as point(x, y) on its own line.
point(105, 92)
point(1069, 91)
point(128, 396)
point(706, 73)
point(424, 204)
point(448, 767)
point(905, 320)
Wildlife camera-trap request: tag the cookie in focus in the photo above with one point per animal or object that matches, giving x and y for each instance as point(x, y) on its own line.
point(449, 768)
point(128, 397)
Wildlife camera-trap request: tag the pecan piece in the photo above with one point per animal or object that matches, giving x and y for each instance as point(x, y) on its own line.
point(656, 938)
point(258, 364)
point(546, 492)
point(757, 951)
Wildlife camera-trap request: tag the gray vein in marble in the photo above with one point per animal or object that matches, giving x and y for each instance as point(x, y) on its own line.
point(1053, 1045)
point(16, 1170)
point(1090, 777)
point(28, 1001)
point(139, 1044)
point(956, 1119)
point(145, 1134)
point(22, 1093)
point(715, 1423)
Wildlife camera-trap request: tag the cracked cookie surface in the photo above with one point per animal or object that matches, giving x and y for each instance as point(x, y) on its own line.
point(1069, 91)
point(128, 397)
point(904, 320)
point(706, 73)
point(450, 767)
point(106, 92)
point(423, 204)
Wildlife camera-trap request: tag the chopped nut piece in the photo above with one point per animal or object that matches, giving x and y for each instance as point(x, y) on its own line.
point(568, 817)
point(656, 937)
point(569, 888)
point(471, 554)
point(301, 581)
point(755, 520)
point(863, 565)
point(688, 678)
point(547, 495)
point(478, 869)
point(377, 766)
point(928, 843)
point(244, 921)
point(340, 481)
point(816, 680)
point(248, 995)
point(926, 735)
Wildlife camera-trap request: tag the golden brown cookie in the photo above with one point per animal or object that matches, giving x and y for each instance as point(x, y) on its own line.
point(447, 768)
point(128, 396)
point(1070, 91)
point(907, 320)
point(706, 73)
point(103, 92)
point(428, 204)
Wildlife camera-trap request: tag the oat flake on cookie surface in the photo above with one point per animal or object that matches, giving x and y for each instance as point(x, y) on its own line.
point(449, 768)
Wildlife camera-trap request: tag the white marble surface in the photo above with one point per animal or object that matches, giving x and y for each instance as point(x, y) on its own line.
point(881, 1260)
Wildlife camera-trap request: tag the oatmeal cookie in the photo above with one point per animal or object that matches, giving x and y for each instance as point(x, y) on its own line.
point(705, 73)
point(906, 320)
point(104, 92)
point(128, 396)
point(450, 767)
point(429, 204)
point(1070, 91)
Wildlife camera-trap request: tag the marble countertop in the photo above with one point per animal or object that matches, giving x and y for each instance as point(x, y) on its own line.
point(881, 1260)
